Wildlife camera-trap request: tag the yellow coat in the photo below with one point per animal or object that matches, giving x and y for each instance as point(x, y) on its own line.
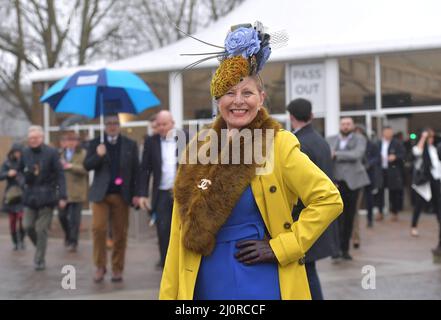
point(293, 176)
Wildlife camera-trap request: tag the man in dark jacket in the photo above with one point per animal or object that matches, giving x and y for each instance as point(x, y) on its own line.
point(160, 160)
point(317, 149)
point(45, 188)
point(392, 162)
point(372, 163)
point(115, 163)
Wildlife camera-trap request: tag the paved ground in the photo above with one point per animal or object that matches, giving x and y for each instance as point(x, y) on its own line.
point(403, 266)
point(18, 280)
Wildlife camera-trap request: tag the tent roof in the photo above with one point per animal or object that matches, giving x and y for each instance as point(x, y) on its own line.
point(316, 28)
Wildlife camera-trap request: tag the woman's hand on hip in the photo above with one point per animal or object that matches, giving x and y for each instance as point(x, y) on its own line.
point(255, 251)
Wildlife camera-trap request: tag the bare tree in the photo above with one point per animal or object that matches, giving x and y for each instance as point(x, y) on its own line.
point(41, 34)
point(155, 21)
point(34, 41)
point(92, 16)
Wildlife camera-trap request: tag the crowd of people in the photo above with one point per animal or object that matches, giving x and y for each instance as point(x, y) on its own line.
point(222, 226)
point(41, 178)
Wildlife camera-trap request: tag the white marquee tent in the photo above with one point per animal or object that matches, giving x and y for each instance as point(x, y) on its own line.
point(318, 29)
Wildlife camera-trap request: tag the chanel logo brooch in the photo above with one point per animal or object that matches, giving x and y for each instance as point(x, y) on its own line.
point(204, 184)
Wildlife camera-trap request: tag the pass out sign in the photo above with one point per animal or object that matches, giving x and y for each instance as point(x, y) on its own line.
point(308, 81)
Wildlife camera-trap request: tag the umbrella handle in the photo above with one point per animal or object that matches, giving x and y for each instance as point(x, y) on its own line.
point(102, 128)
point(101, 117)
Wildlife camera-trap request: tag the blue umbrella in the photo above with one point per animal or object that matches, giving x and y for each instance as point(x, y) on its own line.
point(95, 93)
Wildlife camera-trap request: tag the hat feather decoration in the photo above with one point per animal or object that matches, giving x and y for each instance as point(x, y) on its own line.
point(246, 50)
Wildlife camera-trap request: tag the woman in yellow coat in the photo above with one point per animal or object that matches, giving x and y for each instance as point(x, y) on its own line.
point(232, 233)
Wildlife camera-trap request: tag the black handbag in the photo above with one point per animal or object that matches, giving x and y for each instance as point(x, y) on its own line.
point(420, 176)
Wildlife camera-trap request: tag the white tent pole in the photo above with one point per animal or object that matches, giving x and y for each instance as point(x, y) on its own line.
point(176, 97)
point(378, 97)
point(332, 93)
point(287, 94)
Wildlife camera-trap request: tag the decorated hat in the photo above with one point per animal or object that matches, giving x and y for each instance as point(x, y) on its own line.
point(246, 50)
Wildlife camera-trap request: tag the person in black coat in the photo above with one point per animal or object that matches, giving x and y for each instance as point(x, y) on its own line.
point(160, 160)
point(372, 163)
point(12, 203)
point(115, 163)
point(44, 189)
point(392, 154)
point(318, 150)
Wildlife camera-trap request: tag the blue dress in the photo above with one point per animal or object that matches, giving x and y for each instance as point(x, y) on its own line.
point(221, 276)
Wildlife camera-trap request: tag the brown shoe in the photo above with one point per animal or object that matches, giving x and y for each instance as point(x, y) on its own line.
point(99, 275)
point(117, 277)
point(394, 217)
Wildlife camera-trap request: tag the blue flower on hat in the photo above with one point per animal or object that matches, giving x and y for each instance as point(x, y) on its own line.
point(242, 41)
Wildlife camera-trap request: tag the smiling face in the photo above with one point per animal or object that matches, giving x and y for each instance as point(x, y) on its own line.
point(239, 106)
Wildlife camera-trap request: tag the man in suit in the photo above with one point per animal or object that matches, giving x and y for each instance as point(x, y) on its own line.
point(317, 149)
point(392, 162)
point(116, 165)
point(348, 149)
point(160, 159)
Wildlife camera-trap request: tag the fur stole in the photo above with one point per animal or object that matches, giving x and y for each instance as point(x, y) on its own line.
point(203, 211)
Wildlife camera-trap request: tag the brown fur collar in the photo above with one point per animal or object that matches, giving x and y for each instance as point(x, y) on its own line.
point(203, 212)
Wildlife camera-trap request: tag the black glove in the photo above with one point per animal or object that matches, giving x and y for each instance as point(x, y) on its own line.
point(255, 251)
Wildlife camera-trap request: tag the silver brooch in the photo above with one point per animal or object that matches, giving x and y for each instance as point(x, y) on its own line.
point(204, 184)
